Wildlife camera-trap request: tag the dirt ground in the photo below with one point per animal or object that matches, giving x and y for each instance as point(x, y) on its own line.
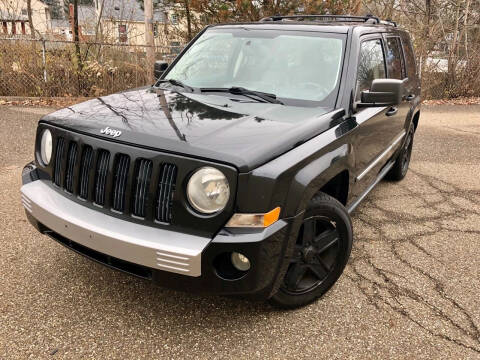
point(411, 288)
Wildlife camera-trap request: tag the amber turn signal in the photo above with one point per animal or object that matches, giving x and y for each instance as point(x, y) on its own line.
point(254, 220)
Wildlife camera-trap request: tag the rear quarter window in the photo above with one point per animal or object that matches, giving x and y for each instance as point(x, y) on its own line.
point(409, 57)
point(394, 56)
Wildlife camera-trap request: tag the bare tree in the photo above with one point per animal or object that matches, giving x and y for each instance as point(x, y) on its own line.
point(99, 21)
point(188, 17)
point(76, 35)
point(30, 22)
point(149, 40)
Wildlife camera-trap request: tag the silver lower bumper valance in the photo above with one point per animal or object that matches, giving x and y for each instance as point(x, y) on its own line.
point(140, 244)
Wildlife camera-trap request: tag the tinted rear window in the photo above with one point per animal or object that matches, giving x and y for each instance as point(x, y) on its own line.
point(410, 58)
point(395, 64)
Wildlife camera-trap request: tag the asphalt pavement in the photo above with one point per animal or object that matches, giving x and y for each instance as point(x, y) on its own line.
point(410, 290)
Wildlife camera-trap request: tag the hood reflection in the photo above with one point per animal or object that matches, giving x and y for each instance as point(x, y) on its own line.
point(207, 126)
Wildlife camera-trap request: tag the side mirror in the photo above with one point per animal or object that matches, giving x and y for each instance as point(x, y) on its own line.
point(383, 92)
point(159, 68)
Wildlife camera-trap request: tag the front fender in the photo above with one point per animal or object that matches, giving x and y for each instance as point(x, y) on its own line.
point(314, 176)
point(290, 180)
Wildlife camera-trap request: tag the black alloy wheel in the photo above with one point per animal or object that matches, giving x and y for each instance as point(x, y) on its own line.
point(400, 167)
point(321, 251)
point(314, 257)
point(407, 152)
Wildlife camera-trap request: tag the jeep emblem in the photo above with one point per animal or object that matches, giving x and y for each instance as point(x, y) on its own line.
point(111, 132)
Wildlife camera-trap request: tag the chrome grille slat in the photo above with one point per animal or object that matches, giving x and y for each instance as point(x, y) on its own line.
point(114, 180)
point(85, 165)
point(166, 188)
point(161, 194)
point(57, 176)
point(120, 182)
point(171, 181)
point(71, 161)
point(101, 176)
point(143, 174)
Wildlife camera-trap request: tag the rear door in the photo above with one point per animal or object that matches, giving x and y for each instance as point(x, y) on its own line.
point(412, 83)
point(396, 69)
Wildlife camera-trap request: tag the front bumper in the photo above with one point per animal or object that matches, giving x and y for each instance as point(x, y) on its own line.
point(173, 259)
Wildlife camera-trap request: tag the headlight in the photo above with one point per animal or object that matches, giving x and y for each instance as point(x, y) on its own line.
point(46, 147)
point(208, 190)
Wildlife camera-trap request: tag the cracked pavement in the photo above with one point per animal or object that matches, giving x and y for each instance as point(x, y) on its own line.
point(410, 290)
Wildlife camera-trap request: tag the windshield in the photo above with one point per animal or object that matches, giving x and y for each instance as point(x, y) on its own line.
point(300, 68)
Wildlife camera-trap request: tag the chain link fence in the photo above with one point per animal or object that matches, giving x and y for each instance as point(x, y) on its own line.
point(52, 68)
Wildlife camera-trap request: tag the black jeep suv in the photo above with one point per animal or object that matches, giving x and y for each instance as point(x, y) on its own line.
point(236, 172)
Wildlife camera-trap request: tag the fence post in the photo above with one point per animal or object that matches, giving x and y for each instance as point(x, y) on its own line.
point(44, 61)
point(420, 67)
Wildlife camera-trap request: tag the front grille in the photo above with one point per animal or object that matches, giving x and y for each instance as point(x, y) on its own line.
point(128, 186)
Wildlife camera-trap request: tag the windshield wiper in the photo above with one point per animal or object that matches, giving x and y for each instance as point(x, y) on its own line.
point(271, 98)
point(174, 82)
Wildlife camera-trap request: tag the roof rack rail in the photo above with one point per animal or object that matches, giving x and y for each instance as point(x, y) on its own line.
point(330, 18)
point(389, 22)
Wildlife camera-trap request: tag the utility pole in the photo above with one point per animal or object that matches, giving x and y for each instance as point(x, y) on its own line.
point(149, 41)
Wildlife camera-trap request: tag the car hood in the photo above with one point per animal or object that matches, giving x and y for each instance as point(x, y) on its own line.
point(226, 128)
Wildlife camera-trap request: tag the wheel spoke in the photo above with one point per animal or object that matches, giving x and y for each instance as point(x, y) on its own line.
point(309, 230)
point(297, 254)
point(319, 262)
point(325, 240)
point(294, 275)
point(319, 270)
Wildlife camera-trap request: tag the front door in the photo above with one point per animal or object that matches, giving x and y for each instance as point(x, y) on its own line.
point(375, 131)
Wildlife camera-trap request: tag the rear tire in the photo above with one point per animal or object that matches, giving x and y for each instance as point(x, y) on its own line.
point(400, 168)
point(321, 252)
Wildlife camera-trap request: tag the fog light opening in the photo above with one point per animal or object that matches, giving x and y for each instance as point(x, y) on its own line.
point(240, 261)
point(231, 265)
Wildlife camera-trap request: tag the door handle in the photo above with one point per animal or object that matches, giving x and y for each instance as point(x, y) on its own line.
point(410, 97)
point(392, 111)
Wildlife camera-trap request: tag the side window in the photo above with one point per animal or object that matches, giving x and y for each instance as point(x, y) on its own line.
point(395, 65)
point(371, 65)
point(122, 33)
point(410, 58)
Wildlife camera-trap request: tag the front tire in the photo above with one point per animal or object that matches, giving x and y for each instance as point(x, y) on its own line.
point(321, 253)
